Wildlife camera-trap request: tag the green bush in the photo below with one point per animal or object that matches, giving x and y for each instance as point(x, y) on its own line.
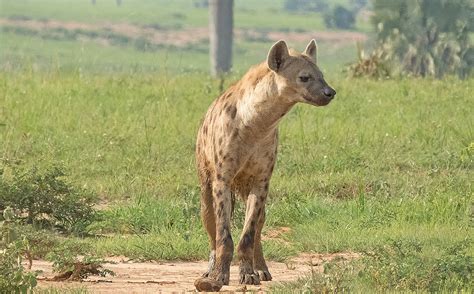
point(46, 199)
point(70, 266)
point(13, 277)
point(340, 17)
point(377, 64)
point(428, 37)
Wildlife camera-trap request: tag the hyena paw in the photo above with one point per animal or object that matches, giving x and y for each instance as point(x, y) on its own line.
point(247, 275)
point(264, 275)
point(212, 262)
point(249, 279)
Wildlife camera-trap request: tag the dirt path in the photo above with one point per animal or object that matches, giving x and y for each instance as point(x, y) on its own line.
point(182, 37)
point(178, 277)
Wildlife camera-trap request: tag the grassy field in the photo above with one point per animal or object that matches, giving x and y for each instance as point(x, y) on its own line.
point(387, 160)
point(20, 52)
point(83, 50)
point(266, 14)
point(385, 170)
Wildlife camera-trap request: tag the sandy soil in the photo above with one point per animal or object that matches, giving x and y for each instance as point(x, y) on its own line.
point(186, 36)
point(178, 277)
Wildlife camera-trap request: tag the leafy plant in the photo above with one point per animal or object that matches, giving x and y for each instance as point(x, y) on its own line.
point(13, 277)
point(376, 65)
point(34, 243)
point(340, 17)
point(70, 267)
point(40, 241)
point(357, 5)
point(46, 199)
point(429, 37)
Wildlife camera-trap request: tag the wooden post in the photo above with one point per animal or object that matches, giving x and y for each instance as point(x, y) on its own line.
point(221, 22)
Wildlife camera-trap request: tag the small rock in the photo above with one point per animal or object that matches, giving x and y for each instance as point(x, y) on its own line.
point(207, 285)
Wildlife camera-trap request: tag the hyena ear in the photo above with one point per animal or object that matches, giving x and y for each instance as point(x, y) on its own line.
point(312, 50)
point(278, 55)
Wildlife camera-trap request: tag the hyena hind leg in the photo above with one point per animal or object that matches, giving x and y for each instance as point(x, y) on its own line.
point(209, 222)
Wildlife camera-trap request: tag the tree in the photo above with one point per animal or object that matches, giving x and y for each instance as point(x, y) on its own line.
point(429, 37)
point(340, 17)
point(357, 5)
point(220, 29)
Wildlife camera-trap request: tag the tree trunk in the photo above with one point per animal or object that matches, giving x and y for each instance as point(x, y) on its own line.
point(220, 35)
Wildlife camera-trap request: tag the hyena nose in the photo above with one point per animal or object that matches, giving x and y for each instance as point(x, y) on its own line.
point(329, 92)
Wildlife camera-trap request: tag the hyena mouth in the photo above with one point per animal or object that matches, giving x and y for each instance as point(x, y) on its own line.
point(317, 101)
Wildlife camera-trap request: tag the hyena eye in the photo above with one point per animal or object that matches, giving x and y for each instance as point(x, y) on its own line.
point(304, 79)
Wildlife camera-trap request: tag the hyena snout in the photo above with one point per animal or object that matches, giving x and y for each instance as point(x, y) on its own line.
point(329, 92)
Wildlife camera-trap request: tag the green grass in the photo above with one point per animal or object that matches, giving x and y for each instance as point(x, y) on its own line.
point(36, 53)
point(168, 14)
point(133, 131)
point(387, 159)
point(400, 265)
point(84, 51)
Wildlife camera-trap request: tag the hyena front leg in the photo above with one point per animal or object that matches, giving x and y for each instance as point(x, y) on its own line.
point(254, 210)
point(260, 266)
point(224, 244)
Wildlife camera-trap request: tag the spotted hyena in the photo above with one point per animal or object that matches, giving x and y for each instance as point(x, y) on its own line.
point(237, 148)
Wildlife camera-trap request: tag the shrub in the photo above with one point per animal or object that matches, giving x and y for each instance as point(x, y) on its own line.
point(340, 17)
point(13, 277)
point(429, 37)
point(70, 267)
point(376, 65)
point(46, 199)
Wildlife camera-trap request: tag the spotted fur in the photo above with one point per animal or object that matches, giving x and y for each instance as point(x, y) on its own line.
point(237, 149)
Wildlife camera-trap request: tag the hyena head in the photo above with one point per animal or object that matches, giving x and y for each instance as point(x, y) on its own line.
point(298, 76)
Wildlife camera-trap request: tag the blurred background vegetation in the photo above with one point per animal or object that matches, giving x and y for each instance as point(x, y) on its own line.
point(427, 38)
point(140, 35)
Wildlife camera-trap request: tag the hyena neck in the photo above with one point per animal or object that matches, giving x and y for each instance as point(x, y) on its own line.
point(262, 105)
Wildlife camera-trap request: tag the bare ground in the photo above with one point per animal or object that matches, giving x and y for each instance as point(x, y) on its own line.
point(178, 277)
point(186, 36)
